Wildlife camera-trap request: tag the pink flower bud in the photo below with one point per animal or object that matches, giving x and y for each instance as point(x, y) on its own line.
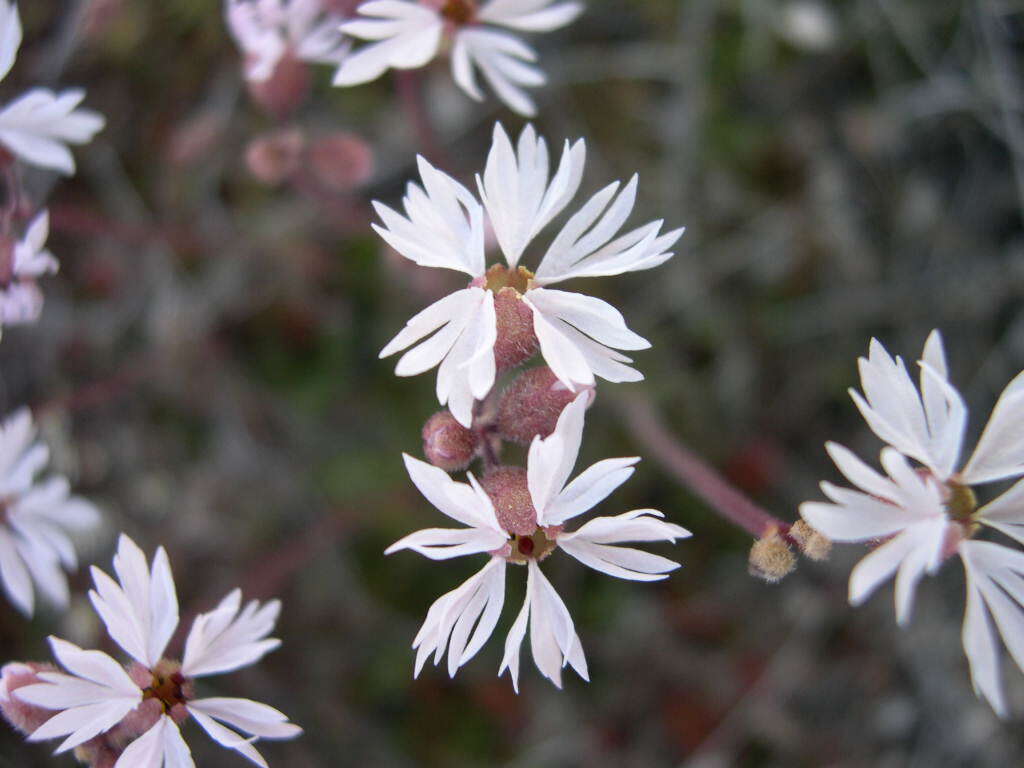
point(513, 505)
point(286, 88)
point(274, 157)
point(98, 753)
point(531, 405)
point(447, 444)
point(516, 342)
point(340, 161)
point(23, 716)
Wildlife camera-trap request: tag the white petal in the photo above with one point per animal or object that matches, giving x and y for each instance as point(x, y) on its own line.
point(38, 126)
point(446, 543)
point(551, 459)
point(10, 36)
point(227, 639)
point(1000, 451)
point(249, 716)
point(589, 488)
point(409, 36)
point(159, 747)
point(457, 500)
point(530, 15)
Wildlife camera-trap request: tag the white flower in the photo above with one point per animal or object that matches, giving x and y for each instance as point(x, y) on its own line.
point(527, 536)
point(39, 125)
point(140, 611)
point(923, 515)
point(35, 519)
point(21, 301)
point(408, 34)
point(444, 227)
point(268, 30)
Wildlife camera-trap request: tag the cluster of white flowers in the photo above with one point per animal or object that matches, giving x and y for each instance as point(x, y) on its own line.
point(36, 516)
point(924, 512)
point(147, 701)
point(518, 516)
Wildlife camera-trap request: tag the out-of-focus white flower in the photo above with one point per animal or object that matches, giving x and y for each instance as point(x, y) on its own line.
point(922, 515)
point(444, 227)
point(268, 30)
point(406, 34)
point(808, 24)
point(523, 524)
point(154, 695)
point(21, 301)
point(38, 126)
point(35, 519)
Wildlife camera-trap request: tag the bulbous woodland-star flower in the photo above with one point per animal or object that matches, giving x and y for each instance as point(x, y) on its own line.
point(35, 519)
point(150, 699)
point(268, 31)
point(518, 517)
point(407, 34)
point(38, 126)
point(924, 514)
point(21, 301)
point(507, 311)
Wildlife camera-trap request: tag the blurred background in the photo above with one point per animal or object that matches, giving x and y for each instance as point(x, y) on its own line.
point(206, 368)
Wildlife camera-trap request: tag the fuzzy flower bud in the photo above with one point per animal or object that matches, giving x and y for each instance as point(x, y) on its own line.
point(813, 544)
point(274, 157)
point(771, 558)
point(510, 494)
point(447, 444)
point(282, 93)
point(531, 405)
point(516, 342)
point(23, 716)
point(340, 161)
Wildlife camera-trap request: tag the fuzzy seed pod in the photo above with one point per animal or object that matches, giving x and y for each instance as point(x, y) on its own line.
point(516, 342)
point(513, 505)
point(23, 716)
point(531, 405)
point(771, 558)
point(814, 545)
point(447, 444)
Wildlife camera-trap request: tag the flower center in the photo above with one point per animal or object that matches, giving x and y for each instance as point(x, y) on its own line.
point(459, 11)
point(168, 685)
point(500, 276)
point(961, 503)
point(535, 546)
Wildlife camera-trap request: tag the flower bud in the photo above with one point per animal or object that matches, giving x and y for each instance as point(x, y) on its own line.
point(771, 558)
point(510, 494)
point(286, 88)
point(274, 157)
point(516, 342)
point(813, 544)
point(23, 716)
point(340, 161)
point(447, 444)
point(531, 405)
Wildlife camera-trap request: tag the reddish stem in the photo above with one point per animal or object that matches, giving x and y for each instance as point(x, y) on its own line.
point(694, 473)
